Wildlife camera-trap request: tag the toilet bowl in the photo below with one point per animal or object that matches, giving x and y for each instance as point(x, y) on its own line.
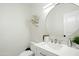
point(27, 53)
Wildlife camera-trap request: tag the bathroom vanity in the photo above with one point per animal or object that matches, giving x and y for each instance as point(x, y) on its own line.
point(59, 25)
point(51, 49)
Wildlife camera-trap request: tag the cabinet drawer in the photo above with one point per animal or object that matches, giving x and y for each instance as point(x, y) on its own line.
point(43, 52)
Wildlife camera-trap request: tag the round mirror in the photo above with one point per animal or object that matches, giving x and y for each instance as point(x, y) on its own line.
point(62, 21)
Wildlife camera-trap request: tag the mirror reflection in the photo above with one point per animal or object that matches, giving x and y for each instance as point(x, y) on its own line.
point(62, 21)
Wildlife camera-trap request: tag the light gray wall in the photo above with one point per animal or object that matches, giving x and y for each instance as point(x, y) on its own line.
point(38, 32)
point(14, 31)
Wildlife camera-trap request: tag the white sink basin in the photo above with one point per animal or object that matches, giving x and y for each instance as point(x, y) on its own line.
point(58, 49)
point(55, 46)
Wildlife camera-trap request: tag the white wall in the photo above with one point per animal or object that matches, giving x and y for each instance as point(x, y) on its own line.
point(38, 32)
point(14, 31)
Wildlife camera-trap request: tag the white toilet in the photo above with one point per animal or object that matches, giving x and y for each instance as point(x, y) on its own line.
point(27, 53)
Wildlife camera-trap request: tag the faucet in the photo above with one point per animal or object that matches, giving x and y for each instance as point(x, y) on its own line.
point(55, 40)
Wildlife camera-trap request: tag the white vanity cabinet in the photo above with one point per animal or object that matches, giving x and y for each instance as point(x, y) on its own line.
point(45, 49)
point(43, 52)
point(39, 51)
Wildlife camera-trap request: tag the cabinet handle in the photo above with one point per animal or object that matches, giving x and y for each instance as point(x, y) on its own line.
point(42, 54)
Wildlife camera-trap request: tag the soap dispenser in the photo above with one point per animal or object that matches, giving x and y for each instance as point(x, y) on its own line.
point(69, 42)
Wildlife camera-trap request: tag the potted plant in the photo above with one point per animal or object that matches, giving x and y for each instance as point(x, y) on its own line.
point(76, 41)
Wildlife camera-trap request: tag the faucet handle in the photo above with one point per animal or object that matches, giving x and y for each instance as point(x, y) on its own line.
point(51, 41)
point(55, 40)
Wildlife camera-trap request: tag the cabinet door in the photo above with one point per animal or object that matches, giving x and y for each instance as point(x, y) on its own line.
point(43, 52)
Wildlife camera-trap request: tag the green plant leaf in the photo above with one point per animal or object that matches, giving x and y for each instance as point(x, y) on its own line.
point(76, 40)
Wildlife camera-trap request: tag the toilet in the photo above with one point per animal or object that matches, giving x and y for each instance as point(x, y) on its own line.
point(27, 53)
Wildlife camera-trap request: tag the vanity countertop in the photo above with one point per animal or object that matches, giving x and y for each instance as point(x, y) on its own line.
point(64, 51)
